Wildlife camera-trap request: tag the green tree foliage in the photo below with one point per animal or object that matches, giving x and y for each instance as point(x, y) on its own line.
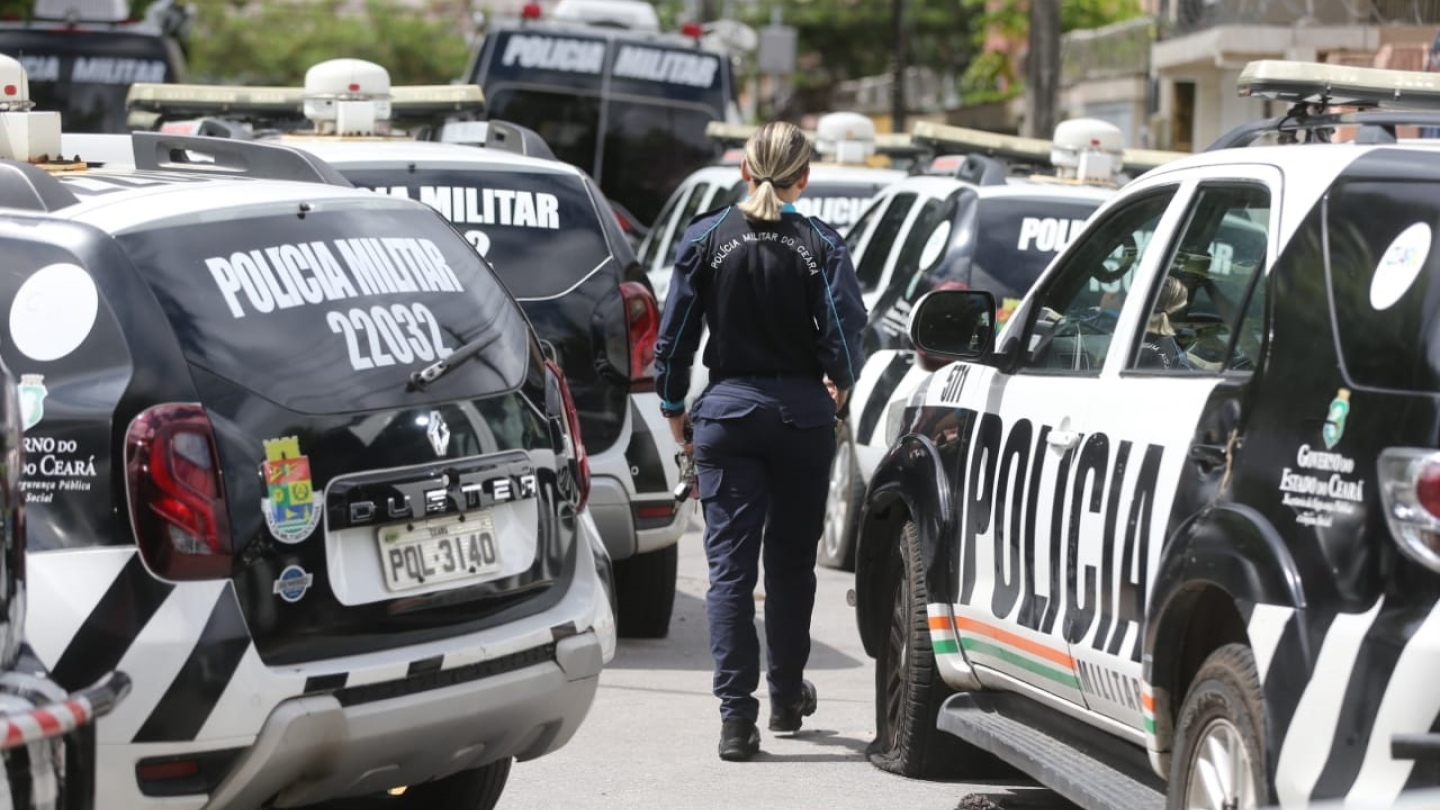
point(276, 41)
point(848, 39)
point(991, 76)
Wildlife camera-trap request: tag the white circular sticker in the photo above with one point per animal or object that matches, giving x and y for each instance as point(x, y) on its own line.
point(53, 312)
point(1400, 266)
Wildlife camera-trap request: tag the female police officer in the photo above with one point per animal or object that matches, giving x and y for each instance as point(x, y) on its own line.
point(780, 296)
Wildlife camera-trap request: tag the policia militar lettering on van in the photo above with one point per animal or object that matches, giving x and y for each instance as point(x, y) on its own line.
point(1188, 496)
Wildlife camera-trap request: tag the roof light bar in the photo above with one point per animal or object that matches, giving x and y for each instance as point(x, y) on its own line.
point(1340, 85)
point(976, 141)
point(200, 100)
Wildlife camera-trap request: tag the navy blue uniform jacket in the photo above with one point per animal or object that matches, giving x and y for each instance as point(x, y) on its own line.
point(780, 298)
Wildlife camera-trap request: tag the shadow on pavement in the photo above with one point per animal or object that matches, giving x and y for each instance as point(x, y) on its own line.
point(688, 645)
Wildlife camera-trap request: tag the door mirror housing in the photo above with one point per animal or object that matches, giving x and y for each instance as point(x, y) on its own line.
point(956, 324)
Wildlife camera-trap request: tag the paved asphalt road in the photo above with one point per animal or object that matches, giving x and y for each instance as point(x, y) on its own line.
point(650, 739)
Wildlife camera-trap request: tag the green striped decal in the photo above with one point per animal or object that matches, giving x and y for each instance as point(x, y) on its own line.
point(1150, 724)
point(945, 645)
point(996, 651)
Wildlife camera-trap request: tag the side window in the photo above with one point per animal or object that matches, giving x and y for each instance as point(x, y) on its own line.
point(877, 250)
point(1198, 308)
point(687, 212)
point(1076, 313)
point(857, 231)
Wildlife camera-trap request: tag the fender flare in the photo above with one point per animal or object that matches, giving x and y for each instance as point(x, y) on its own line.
point(912, 477)
point(1233, 549)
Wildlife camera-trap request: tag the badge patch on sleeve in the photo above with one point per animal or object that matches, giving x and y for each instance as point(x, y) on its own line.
point(289, 506)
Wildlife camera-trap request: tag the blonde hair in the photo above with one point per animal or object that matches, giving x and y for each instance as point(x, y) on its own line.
point(776, 156)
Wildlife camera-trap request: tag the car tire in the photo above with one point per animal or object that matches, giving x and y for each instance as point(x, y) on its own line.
point(1223, 714)
point(645, 588)
point(842, 506)
point(475, 789)
point(908, 688)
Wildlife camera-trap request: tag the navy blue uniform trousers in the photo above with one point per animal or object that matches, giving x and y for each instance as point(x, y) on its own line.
point(762, 460)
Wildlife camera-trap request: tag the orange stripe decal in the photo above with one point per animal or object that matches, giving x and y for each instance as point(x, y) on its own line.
point(1148, 701)
point(1023, 644)
point(939, 623)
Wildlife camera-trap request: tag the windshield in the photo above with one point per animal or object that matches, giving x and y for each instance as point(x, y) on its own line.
point(84, 75)
point(540, 231)
point(332, 311)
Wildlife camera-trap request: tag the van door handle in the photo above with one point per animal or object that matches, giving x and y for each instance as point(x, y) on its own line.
point(1063, 439)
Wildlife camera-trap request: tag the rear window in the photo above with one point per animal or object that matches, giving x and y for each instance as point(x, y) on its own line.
point(1381, 269)
point(330, 312)
point(1015, 239)
point(84, 75)
point(541, 232)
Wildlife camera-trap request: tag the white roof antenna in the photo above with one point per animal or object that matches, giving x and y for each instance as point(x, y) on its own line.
point(347, 97)
point(1087, 149)
point(636, 15)
point(845, 137)
point(33, 137)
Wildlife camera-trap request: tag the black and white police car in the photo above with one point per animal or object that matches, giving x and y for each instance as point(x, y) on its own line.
point(549, 233)
point(990, 213)
point(842, 185)
point(296, 462)
point(1173, 537)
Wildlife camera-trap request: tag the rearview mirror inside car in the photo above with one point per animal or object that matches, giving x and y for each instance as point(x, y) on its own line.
point(959, 324)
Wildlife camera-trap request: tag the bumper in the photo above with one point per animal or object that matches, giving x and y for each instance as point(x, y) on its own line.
point(315, 748)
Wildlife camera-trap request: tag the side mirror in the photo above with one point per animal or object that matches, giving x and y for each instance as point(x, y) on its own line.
point(958, 324)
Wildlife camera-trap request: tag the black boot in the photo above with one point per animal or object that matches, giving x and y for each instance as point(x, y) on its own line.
point(739, 739)
point(789, 718)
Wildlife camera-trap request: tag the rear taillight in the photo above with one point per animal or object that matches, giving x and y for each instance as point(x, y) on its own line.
point(576, 445)
point(177, 498)
point(1410, 495)
point(642, 324)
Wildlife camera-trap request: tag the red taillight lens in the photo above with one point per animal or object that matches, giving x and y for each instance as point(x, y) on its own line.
point(531, 11)
point(177, 499)
point(642, 323)
point(1427, 487)
point(572, 425)
point(693, 30)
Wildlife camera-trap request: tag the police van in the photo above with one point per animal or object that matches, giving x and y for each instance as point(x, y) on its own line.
point(842, 184)
point(1169, 539)
point(610, 93)
point(82, 55)
point(549, 234)
point(296, 462)
point(990, 212)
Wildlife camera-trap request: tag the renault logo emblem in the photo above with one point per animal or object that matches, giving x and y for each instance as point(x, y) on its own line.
point(438, 433)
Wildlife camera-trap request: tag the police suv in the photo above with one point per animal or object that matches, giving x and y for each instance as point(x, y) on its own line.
point(1172, 538)
point(296, 462)
point(990, 213)
point(549, 234)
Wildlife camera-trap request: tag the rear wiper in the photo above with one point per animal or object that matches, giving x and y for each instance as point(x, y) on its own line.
point(422, 379)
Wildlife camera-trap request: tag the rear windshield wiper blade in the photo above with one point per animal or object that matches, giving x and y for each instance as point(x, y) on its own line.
point(425, 377)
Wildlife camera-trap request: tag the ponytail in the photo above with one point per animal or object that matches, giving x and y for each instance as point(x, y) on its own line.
point(776, 156)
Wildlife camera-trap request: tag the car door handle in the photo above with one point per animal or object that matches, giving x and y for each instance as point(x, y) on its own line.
point(1063, 439)
point(1208, 456)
